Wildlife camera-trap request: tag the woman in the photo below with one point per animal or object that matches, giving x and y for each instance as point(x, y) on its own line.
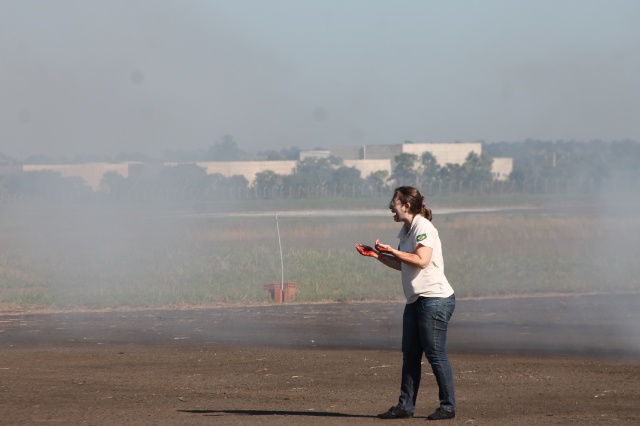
point(430, 302)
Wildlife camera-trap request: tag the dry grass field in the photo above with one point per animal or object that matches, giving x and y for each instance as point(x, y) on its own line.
point(96, 258)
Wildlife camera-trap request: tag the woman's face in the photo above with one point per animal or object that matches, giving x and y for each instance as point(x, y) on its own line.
point(398, 209)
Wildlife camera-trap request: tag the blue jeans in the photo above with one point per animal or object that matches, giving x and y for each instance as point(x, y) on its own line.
point(424, 330)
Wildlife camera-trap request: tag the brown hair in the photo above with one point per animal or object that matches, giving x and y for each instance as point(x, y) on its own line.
point(409, 194)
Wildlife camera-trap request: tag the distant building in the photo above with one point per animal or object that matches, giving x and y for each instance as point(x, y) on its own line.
point(314, 154)
point(248, 169)
point(367, 152)
point(445, 153)
point(370, 158)
point(366, 167)
point(365, 158)
point(502, 168)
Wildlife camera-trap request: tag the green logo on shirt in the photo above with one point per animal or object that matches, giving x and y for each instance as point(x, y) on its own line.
point(421, 237)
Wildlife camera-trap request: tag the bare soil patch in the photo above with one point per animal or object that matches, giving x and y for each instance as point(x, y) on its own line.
point(547, 361)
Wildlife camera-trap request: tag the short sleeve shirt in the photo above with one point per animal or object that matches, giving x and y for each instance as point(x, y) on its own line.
point(430, 281)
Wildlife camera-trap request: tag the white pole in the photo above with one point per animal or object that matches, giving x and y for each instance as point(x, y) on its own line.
point(281, 261)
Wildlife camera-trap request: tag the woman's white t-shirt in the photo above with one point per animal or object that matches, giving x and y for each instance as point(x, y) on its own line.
point(430, 281)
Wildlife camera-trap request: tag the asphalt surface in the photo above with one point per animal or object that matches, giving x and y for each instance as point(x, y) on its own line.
point(589, 325)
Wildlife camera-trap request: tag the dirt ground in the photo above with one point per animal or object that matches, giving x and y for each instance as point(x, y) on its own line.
point(524, 361)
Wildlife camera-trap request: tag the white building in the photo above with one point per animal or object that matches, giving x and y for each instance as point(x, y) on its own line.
point(366, 158)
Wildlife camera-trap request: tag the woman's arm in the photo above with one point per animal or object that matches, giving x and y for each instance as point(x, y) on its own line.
point(420, 258)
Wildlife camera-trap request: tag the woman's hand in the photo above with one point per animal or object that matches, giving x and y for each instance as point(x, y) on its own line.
point(389, 261)
point(366, 250)
point(383, 248)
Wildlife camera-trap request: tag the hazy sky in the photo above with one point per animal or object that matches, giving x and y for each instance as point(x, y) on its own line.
point(103, 77)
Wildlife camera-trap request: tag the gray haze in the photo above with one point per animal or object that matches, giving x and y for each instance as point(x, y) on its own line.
point(94, 77)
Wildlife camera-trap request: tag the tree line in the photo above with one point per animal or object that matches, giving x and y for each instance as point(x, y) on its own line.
point(539, 167)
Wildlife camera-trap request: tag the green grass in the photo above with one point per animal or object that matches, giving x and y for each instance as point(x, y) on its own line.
point(100, 258)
